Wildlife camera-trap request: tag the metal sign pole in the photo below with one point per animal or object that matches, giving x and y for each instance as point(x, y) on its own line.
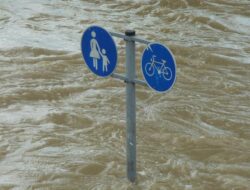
point(131, 106)
point(161, 79)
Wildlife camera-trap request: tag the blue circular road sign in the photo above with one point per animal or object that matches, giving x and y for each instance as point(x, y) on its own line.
point(158, 67)
point(99, 51)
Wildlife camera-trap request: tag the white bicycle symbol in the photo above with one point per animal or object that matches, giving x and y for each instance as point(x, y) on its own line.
point(160, 67)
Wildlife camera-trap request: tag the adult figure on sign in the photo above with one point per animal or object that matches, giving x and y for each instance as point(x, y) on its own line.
point(95, 49)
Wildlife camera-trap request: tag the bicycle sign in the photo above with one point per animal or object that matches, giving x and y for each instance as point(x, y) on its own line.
point(158, 67)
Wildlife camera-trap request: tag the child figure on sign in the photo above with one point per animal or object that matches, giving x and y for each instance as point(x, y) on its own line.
point(105, 61)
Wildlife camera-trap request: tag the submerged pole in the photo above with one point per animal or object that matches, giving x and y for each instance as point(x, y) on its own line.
point(130, 106)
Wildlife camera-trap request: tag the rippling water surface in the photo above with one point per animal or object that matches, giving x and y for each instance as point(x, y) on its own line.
point(63, 128)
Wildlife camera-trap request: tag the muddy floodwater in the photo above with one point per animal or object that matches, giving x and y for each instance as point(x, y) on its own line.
point(63, 128)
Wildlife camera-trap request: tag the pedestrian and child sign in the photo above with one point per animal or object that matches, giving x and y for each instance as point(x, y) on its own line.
point(99, 51)
point(157, 65)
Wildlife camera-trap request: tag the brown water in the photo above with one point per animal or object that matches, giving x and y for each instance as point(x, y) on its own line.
point(63, 128)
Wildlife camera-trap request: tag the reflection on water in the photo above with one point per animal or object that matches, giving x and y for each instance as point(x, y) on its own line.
point(63, 128)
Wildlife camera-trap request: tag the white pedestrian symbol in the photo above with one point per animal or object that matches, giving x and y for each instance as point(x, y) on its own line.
point(96, 53)
point(105, 60)
point(95, 48)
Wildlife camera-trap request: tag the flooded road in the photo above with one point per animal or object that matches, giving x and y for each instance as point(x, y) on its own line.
point(63, 128)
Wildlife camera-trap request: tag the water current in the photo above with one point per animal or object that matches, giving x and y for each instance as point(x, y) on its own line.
point(61, 127)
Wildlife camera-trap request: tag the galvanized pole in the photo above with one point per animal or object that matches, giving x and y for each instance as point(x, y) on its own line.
point(131, 106)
